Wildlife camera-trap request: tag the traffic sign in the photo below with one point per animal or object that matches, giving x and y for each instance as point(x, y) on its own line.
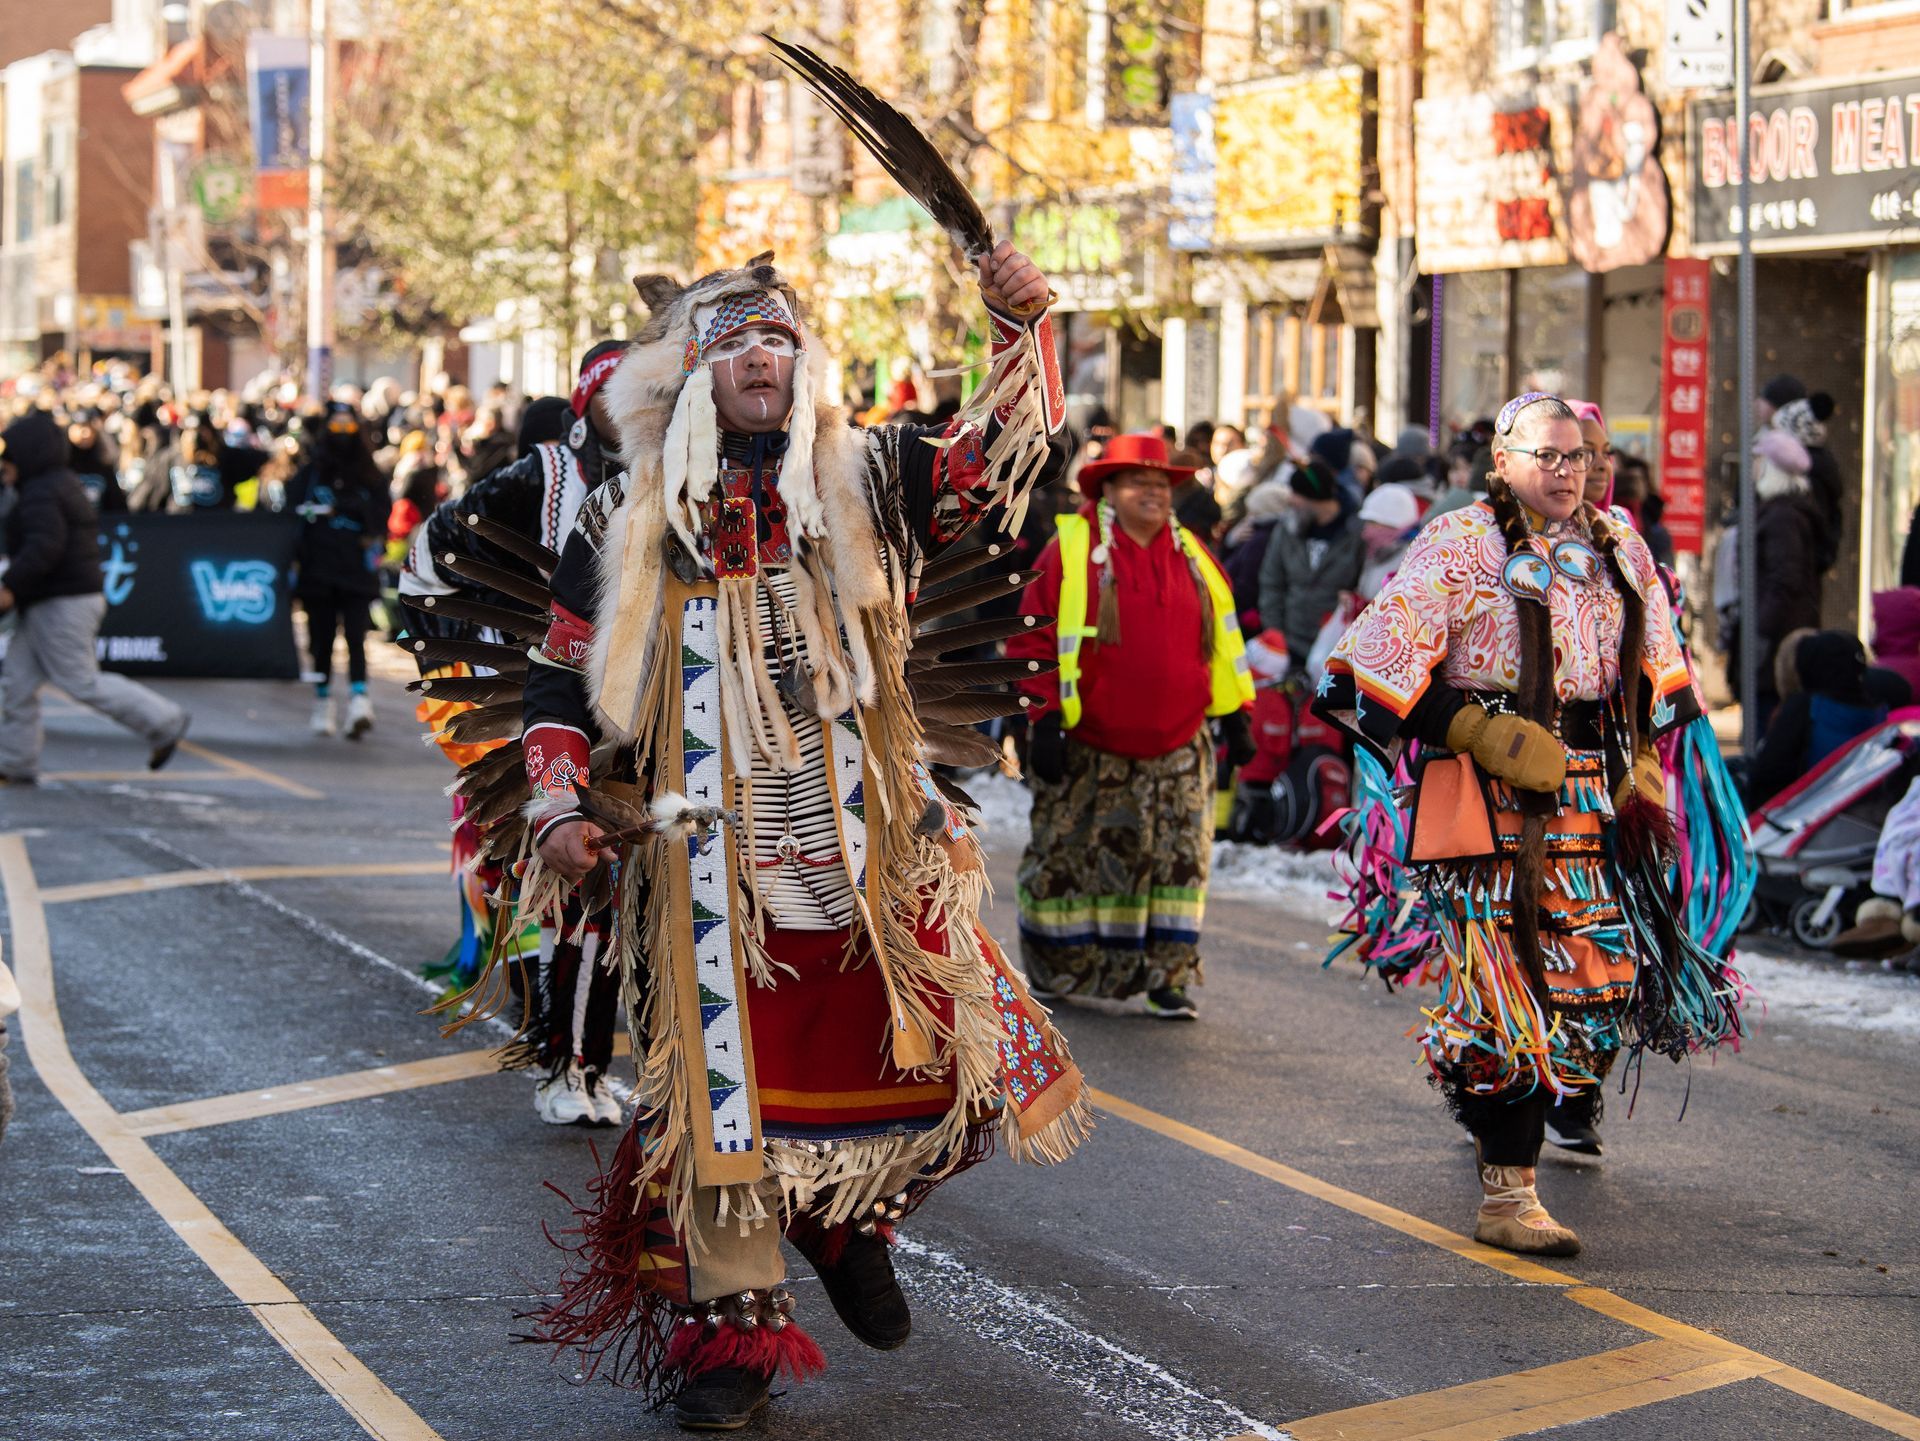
point(1698, 53)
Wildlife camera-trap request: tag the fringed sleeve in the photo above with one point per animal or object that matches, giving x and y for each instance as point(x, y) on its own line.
point(1386, 661)
point(1671, 696)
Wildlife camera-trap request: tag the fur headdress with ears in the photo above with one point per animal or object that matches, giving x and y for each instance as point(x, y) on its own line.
point(661, 400)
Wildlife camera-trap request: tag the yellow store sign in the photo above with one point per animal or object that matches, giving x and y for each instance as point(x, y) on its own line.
point(1289, 159)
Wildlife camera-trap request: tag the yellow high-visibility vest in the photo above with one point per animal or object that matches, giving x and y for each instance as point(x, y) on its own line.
point(1232, 680)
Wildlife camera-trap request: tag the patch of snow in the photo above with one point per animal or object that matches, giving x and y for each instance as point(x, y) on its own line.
point(1855, 995)
point(1004, 806)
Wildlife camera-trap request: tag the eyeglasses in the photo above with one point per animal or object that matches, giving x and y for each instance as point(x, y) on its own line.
point(1547, 458)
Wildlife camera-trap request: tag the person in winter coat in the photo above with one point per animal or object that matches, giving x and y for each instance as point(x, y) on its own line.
point(1389, 519)
point(93, 458)
point(1775, 407)
point(1896, 633)
point(52, 578)
point(1787, 539)
point(1829, 709)
point(1312, 556)
point(342, 505)
point(198, 471)
point(1244, 550)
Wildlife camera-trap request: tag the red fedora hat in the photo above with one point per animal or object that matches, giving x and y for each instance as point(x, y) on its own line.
point(1142, 450)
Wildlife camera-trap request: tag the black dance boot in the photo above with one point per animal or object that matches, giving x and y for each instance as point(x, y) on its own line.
point(723, 1399)
point(857, 1273)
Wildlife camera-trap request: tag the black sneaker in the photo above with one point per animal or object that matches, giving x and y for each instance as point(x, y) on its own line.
point(865, 1293)
point(162, 751)
point(723, 1399)
point(1574, 1124)
point(1172, 1003)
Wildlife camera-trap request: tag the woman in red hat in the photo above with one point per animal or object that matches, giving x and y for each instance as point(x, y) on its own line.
point(1114, 879)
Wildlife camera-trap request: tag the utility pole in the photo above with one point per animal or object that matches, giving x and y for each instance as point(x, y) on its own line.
point(1749, 658)
point(173, 261)
point(319, 227)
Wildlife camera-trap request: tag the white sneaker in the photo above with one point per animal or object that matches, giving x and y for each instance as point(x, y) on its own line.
point(359, 716)
point(607, 1110)
point(563, 1100)
point(322, 723)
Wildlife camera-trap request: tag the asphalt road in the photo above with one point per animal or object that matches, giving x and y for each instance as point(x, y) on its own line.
point(1266, 1227)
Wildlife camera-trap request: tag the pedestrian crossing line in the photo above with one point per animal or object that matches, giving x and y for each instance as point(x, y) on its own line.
point(363, 1395)
point(227, 875)
point(252, 772)
point(323, 1091)
point(1594, 1298)
point(1527, 1401)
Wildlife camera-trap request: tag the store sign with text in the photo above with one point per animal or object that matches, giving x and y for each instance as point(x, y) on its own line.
point(1289, 159)
point(1489, 196)
point(1683, 402)
point(1829, 164)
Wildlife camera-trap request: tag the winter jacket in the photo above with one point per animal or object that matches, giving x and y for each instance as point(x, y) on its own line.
point(97, 475)
point(1829, 710)
point(343, 525)
point(1246, 552)
point(1305, 569)
point(174, 484)
point(1896, 632)
point(1829, 493)
point(52, 539)
point(1787, 541)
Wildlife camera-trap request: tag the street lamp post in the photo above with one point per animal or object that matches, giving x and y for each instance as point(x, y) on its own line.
point(1749, 658)
point(319, 230)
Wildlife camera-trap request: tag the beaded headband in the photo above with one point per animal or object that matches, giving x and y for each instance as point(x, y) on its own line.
point(1510, 412)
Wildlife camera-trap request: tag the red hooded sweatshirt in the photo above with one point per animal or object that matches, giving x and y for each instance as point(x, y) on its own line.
point(1147, 695)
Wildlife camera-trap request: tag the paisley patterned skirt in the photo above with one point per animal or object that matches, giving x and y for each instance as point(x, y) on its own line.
point(1114, 880)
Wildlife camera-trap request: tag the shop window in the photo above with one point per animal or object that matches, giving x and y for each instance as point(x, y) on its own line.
point(1894, 454)
point(1551, 316)
point(25, 198)
point(1535, 32)
point(1036, 78)
point(1284, 29)
point(1473, 312)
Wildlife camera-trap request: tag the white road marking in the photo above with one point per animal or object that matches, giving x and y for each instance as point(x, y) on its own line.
point(1124, 1384)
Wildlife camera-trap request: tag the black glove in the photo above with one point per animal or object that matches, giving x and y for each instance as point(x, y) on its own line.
point(1236, 733)
point(1047, 750)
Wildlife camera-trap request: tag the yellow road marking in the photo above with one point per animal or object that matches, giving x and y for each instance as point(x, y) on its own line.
point(273, 1100)
point(1518, 1267)
point(364, 1395)
point(225, 875)
point(1595, 1298)
point(1529, 1401)
point(253, 772)
point(149, 777)
point(324, 1091)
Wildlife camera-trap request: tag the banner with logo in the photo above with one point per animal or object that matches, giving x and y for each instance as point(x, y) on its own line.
point(277, 81)
point(1683, 403)
point(198, 595)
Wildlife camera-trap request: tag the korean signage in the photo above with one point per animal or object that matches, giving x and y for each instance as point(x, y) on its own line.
point(1830, 165)
point(1288, 158)
point(1489, 196)
point(277, 79)
point(1683, 402)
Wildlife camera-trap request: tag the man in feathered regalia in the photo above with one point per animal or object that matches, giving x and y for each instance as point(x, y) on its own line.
point(730, 725)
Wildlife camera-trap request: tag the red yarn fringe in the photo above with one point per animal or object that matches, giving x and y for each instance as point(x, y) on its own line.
point(1643, 834)
point(697, 1348)
point(620, 1324)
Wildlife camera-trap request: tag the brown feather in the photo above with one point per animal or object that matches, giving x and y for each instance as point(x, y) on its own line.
point(513, 622)
point(431, 651)
point(967, 634)
point(972, 707)
point(488, 723)
point(513, 543)
point(966, 597)
point(958, 746)
point(527, 589)
point(478, 689)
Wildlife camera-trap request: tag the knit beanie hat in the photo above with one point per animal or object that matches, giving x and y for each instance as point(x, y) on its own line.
point(1334, 448)
point(1315, 480)
point(1782, 390)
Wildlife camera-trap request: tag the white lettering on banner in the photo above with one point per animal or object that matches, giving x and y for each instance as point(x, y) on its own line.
point(122, 649)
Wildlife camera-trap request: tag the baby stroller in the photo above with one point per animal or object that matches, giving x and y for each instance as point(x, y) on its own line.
point(1299, 774)
point(1814, 842)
